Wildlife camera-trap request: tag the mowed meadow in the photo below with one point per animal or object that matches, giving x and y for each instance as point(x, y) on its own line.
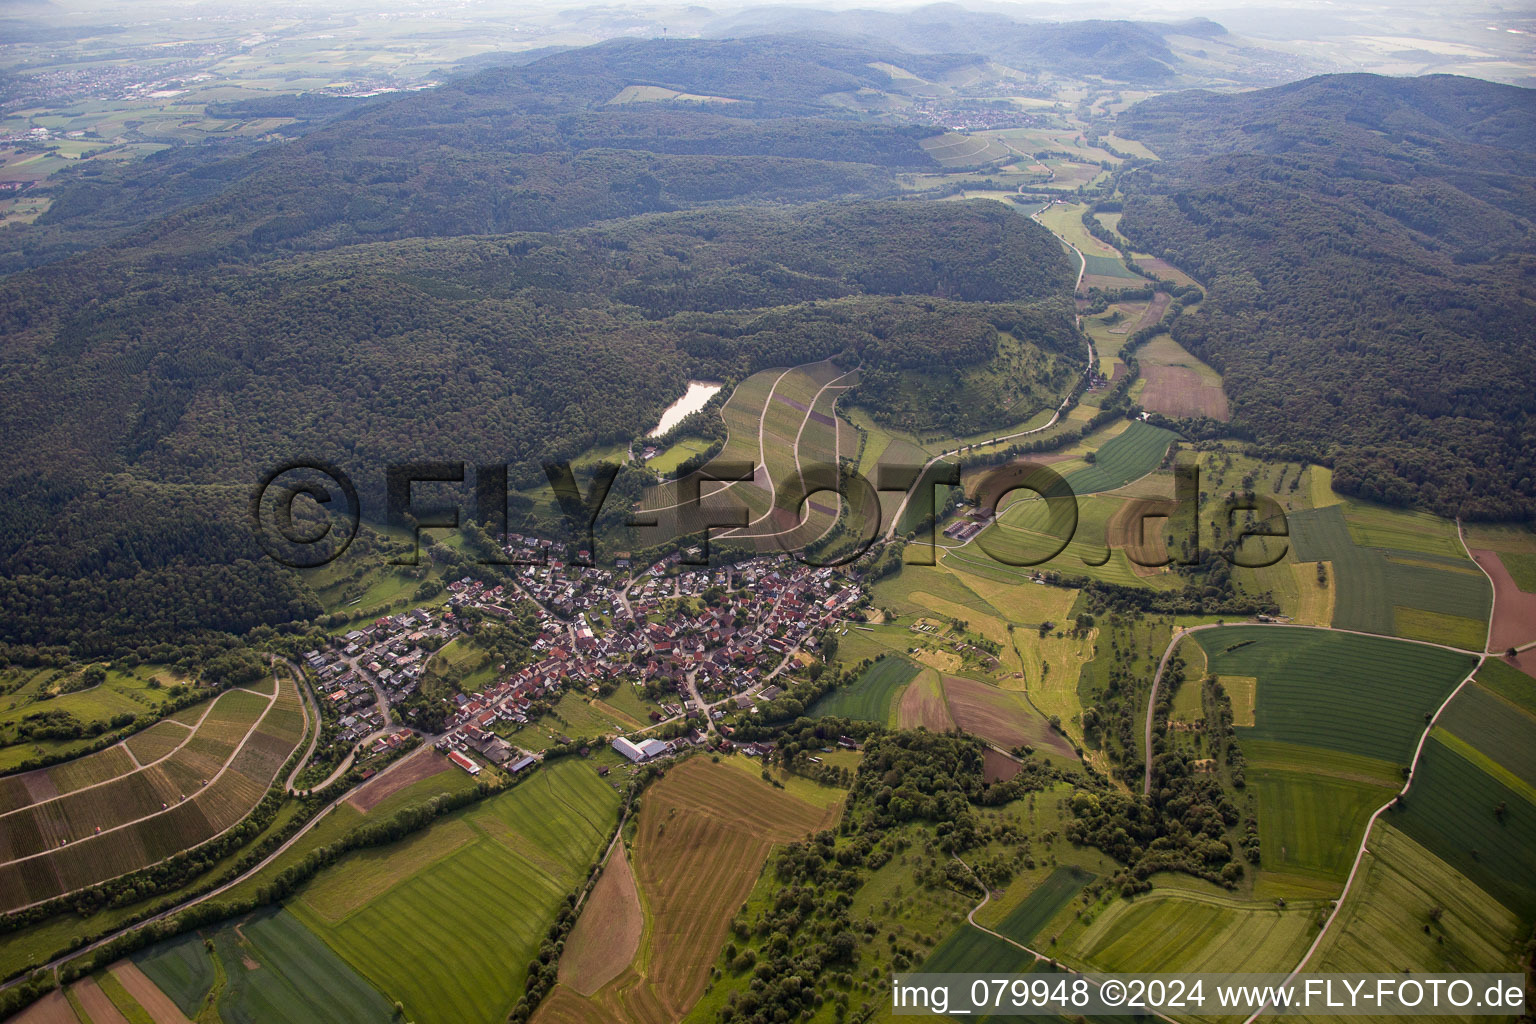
point(704, 832)
point(467, 902)
point(113, 813)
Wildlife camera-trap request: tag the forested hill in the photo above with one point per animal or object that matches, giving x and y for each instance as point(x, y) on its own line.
point(1369, 249)
point(544, 146)
point(136, 410)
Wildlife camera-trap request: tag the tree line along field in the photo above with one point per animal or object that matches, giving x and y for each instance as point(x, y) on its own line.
point(142, 690)
point(703, 834)
point(467, 902)
point(208, 784)
point(1340, 691)
point(262, 967)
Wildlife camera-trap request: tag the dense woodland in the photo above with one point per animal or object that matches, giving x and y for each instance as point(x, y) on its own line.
point(129, 499)
point(1371, 260)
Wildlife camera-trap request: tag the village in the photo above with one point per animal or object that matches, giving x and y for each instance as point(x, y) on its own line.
point(704, 642)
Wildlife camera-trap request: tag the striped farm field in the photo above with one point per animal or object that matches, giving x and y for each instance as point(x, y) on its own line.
point(1389, 921)
point(1312, 824)
point(1024, 922)
point(1134, 453)
point(1341, 691)
point(1379, 589)
point(868, 698)
point(1480, 826)
point(158, 740)
point(705, 831)
point(971, 950)
point(1510, 683)
point(466, 903)
point(150, 813)
point(1167, 930)
point(46, 783)
point(1403, 885)
point(1490, 723)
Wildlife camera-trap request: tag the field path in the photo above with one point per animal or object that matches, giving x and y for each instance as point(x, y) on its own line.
point(740, 532)
point(312, 722)
point(1146, 784)
point(1413, 767)
point(1093, 360)
point(205, 787)
point(191, 732)
point(986, 897)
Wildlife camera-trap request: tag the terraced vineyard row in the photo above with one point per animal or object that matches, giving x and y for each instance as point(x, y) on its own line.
point(153, 813)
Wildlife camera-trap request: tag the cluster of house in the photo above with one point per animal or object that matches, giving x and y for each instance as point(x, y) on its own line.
point(765, 610)
point(385, 660)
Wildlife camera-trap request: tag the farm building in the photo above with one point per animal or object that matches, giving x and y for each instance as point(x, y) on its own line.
point(463, 762)
point(640, 751)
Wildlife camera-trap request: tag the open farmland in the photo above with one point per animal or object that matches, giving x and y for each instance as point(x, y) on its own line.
point(263, 967)
point(1479, 825)
point(1003, 717)
point(1509, 682)
point(869, 697)
point(1178, 384)
point(704, 833)
point(1389, 920)
point(1137, 451)
point(1490, 723)
point(1373, 583)
point(969, 948)
point(1514, 608)
point(606, 936)
point(193, 794)
point(1024, 922)
point(1310, 824)
point(1168, 930)
point(951, 150)
point(467, 910)
point(1357, 694)
point(923, 704)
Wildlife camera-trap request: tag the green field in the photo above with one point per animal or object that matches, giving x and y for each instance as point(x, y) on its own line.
point(667, 462)
point(1451, 811)
point(1111, 266)
point(1358, 694)
point(29, 691)
point(182, 968)
point(1134, 453)
point(1311, 825)
point(1490, 723)
point(1024, 922)
point(465, 923)
point(973, 951)
point(869, 697)
point(1510, 683)
point(1188, 931)
point(1410, 911)
point(1373, 584)
point(270, 967)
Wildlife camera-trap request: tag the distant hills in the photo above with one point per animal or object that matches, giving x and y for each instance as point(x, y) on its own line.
point(1370, 253)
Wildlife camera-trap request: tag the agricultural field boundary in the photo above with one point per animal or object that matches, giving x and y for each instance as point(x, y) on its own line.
point(1413, 766)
